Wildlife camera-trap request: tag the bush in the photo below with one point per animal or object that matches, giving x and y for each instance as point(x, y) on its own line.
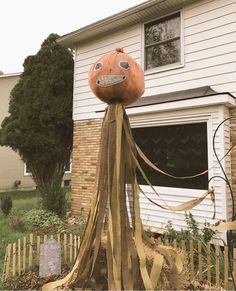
point(41, 218)
point(15, 221)
point(6, 204)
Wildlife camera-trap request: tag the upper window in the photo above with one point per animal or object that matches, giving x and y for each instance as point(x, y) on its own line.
point(162, 42)
point(180, 150)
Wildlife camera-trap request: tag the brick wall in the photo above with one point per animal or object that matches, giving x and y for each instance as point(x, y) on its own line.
point(86, 142)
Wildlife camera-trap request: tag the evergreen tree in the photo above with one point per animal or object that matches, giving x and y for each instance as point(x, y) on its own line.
point(40, 124)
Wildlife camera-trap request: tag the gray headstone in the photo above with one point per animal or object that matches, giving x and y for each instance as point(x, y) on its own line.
point(50, 258)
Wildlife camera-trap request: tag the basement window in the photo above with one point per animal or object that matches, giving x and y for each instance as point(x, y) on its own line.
point(163, 42)
point(180, 150)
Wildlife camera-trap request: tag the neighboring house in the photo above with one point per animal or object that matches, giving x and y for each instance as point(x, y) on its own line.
point(188, 52)
point(13, 171)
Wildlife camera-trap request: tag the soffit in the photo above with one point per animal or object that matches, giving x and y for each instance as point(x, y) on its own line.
point(137, 14)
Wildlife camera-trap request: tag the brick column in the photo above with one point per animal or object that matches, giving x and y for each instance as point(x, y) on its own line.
point(86, 140)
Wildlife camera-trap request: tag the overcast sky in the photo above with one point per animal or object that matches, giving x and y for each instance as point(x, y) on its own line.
point(24, 24)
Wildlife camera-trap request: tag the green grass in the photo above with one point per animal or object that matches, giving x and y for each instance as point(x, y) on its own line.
point(21, 201)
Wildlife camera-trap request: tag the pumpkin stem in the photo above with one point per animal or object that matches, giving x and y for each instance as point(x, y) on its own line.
point(119, 50)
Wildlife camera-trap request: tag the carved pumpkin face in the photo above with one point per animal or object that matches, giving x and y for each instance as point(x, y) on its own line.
point(116, 77)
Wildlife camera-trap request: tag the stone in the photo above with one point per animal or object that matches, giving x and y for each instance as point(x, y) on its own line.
point(50, 258)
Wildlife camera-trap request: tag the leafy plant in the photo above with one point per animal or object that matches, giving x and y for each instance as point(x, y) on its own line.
point(42, 218)
point(6, 204)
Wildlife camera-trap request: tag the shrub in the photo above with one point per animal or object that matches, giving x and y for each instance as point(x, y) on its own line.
point(15, 221)
point(6, 204)
point(42, 218)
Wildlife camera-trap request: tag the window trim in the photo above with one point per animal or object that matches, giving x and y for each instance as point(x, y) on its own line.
point(174, 120)
point(25, 172)
point(169, 66)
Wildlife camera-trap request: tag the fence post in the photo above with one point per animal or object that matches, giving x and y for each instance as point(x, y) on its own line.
point(209, 262)
point(75, 246)
point(65, 248)
point(200, 260)
point(234, 255)
point(8, 260)
point(19, 257)
point(71, 244)
point(191, 259)
point(24, 254)
point(38, 250)
point(30, 250)
point(226, 268)
point(14, 260)
point(217, 267)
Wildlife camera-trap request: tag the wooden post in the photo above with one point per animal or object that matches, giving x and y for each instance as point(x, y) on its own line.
point(191, 259)
point(200, 260)
point(4, 264)
point(217, 255)
point(209, 262)
point(24, 254)
point(19, 257)
point(45, 238)
point(14, 260)
point(78, 242)
point(65, 247)
point(38, 250)
point(71, 245)
point(234, 254)
point(226, 267)
point(8, 261)
point(75, 246)
point(30, 251)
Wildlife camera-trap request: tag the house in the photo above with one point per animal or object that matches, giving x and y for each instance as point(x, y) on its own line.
point(188, 52)
point(13, 171)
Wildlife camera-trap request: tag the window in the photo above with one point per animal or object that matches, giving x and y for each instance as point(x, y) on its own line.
point(27, 170)
point(180, 150)
point(68, 166)
point(162, 42)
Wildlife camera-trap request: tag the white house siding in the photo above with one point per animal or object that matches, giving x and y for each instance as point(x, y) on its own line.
point(209, 30)
point(209, 56)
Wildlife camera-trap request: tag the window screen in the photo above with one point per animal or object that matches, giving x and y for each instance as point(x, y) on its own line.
point(180, 150)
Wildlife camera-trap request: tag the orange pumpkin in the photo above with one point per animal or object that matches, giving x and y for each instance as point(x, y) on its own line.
point(116, 77)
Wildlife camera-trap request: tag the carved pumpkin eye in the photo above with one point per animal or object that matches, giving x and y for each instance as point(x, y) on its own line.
point(97, 66)
point(124, 65)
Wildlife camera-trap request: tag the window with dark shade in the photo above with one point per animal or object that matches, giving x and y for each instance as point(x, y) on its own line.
point(180, 150)
point(162, 42)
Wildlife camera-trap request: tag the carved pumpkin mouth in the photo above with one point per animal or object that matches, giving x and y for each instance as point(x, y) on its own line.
point(110, 80)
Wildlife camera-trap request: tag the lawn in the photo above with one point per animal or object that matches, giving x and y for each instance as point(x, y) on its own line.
point(22, 200)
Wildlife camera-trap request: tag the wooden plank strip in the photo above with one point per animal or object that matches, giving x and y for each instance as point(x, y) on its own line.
point(200, 260)
point(226, 267)
point(217, 267)
point(19, 256)
point(209, 262)
point(30, 251)
point(24, 254)
point(14, 260)
point(38, 250)
point(191, 259)
point(71, 245)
